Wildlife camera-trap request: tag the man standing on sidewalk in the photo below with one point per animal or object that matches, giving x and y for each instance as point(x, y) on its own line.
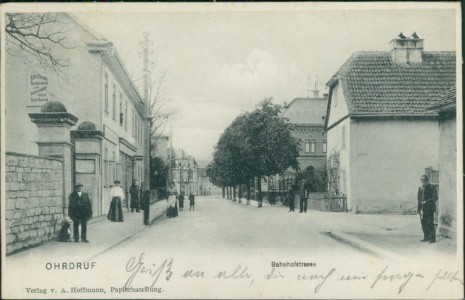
point(134, 192)
point(303, 196)
point(291, 198)
point(191, 201)
point(427, 197)
point(80, 211)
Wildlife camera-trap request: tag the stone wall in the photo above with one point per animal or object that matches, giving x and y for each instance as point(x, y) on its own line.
point(34, 208)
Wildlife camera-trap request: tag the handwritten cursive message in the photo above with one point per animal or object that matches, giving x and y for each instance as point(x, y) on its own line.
point(150, 273)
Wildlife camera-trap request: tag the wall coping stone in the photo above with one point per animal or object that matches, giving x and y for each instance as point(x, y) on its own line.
point(34, 156)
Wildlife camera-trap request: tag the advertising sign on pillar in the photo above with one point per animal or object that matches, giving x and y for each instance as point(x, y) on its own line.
point(38, 88)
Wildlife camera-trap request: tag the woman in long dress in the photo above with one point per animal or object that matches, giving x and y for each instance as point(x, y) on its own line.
point(172, 210)
point(115, 214)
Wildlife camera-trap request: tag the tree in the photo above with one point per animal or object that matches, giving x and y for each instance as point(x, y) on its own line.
point(273, 148)
point(232, 156)
point(316, 179)
point(256, 144)
point(39, 35)
point(159, 176)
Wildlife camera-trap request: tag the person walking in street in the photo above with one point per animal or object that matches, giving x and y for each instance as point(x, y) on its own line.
point(115, 214)
point(191, 201)
point(141, 194)
point(291, 198)
point(172, 210)
point(303, 196)
point(134, 191)
point(181, 201)
point(427, 197)
point(80, 211)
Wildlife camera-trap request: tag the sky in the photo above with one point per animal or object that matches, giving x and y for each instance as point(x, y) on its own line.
point(222, 62)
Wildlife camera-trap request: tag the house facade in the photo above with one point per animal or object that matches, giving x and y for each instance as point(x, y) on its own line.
point(106, 142)
point(380, 134)
point(308, 116)
point(447, 200)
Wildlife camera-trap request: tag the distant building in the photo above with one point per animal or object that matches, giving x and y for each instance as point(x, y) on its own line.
point(184, 172)
point(96, 88)
point(447, 202)
point(381, 136)
point(308, 116)
point(205, 187)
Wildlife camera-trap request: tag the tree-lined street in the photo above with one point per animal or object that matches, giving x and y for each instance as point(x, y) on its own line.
point(241, 242)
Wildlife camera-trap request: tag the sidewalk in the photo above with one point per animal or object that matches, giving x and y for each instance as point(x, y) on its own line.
point(395, 237)
point(102, 234)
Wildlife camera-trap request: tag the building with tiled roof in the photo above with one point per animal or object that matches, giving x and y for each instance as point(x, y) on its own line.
point(447, 201)
point(381, 133)
point(308, 116)
point(107, 143)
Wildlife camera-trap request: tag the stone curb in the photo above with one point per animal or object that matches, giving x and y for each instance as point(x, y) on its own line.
point(152, 220)
point(364, 246)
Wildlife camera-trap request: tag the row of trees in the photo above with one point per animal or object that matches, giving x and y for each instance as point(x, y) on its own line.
point(256, 144)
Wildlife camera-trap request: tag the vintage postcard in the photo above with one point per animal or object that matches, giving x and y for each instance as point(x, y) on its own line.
point(232, 151)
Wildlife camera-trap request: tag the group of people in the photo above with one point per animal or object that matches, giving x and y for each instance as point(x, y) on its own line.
point(174, 198)
point(303, 194)
point(80, 208)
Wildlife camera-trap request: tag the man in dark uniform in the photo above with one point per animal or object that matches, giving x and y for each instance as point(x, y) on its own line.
point(191, 201)
point(427, 197)
point(303, 196)
point(291, 198)
point(181, 201)
point(134, 191)
point(80, 211)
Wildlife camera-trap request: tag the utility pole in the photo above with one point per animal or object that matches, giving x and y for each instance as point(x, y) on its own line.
point(170, 160)
point(147, 123)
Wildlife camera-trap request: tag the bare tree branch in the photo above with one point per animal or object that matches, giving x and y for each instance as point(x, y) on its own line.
point(39, 35)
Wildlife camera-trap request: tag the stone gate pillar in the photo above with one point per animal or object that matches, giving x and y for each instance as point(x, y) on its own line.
point(87, 142)
point(54, 123)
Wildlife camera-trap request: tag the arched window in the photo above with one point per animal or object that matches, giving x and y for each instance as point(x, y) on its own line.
point(313, 146)
point(307, 146)
point(324, 146)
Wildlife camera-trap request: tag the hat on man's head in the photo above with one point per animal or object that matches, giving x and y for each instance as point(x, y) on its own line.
point(78, 184)
point(117, 182)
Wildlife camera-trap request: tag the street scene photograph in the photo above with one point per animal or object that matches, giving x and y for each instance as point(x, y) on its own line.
point(232, 151)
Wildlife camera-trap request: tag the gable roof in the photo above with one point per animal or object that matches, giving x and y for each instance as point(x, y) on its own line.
point(306, 111)
point(374, 85)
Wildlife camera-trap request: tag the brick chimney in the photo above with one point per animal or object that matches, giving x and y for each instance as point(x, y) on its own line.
point(407, 50)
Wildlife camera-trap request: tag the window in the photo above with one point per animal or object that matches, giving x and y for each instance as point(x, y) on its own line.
point(105, 167)
point(114, 101)
point(344, 136)
point(307, 146)
point(106, 92)
point(126, 116)
point(113, 167)
point(313, 146)
point(133, 122)
point(324, 146)
point(121, 116)
point(136, 125)
point(140, 131)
